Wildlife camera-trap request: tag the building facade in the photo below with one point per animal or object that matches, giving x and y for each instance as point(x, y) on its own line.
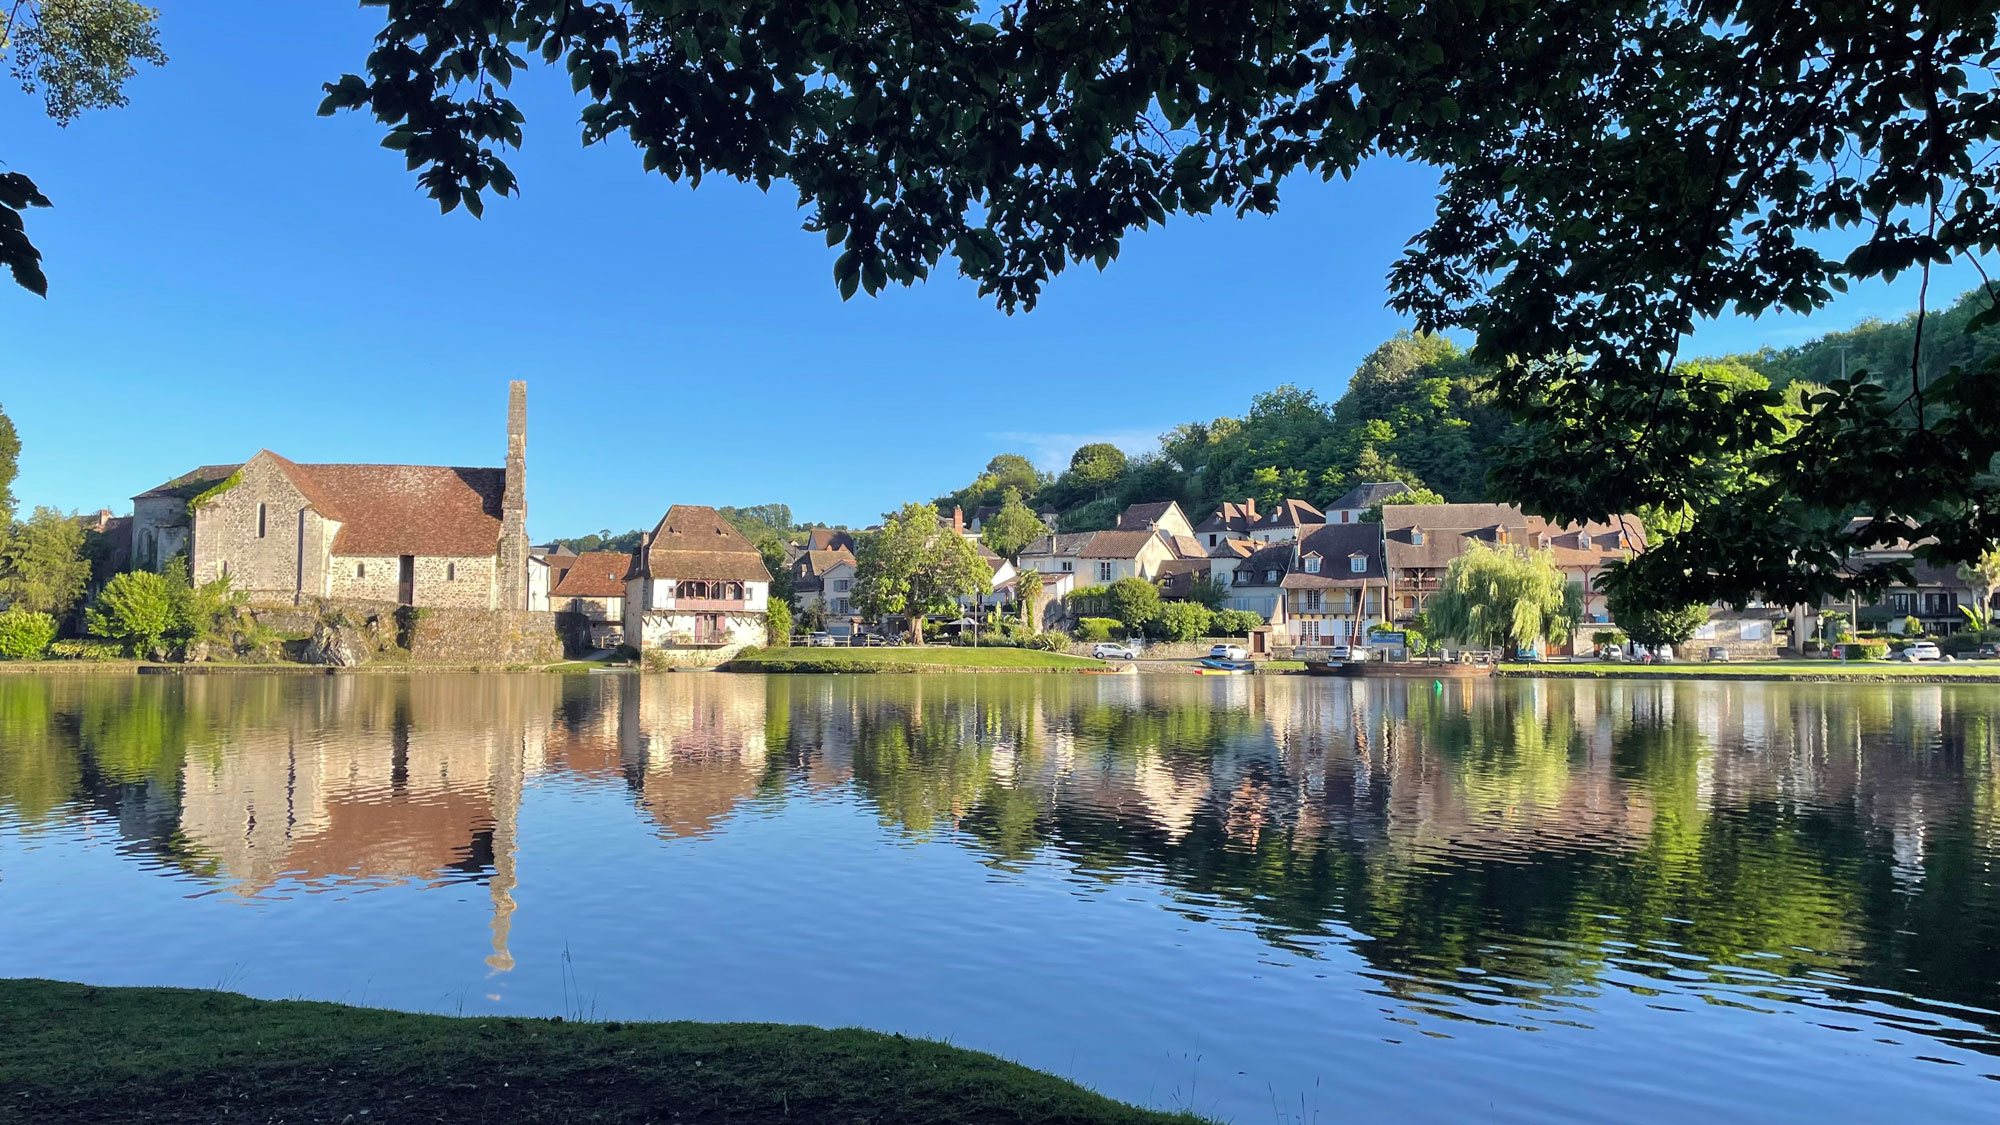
point(698, 590)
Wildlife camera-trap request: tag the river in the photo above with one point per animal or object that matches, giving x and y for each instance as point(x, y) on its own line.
point(1266, 899)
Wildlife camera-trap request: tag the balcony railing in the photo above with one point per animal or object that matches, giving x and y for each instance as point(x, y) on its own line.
point(712, 604)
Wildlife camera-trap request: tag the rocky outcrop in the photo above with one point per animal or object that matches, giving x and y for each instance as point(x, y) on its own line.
point(338, 644)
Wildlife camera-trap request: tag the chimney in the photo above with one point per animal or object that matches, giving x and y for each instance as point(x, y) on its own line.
point(513, 584)
point(958, 519)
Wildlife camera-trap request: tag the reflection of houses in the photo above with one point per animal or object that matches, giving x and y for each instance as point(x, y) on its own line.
point(422, 535)
point(699, 589)
point(694, 748)
point(592, 594)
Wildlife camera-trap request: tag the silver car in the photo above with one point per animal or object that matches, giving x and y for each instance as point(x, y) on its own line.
point(1115, 652)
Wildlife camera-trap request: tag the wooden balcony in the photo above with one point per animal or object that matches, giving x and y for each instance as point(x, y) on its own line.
point(708, 605)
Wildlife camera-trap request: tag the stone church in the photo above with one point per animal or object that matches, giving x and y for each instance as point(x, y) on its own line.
point(414, 535)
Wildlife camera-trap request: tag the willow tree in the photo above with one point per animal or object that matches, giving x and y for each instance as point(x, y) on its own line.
point(1501, 596)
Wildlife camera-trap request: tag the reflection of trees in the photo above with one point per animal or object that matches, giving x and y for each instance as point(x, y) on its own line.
point(1531, 832)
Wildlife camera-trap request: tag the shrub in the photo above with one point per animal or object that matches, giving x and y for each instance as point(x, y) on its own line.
point(1134, 601)
point(1046, 642)
point(88, 651)
point(25, 635)
point(1235, 622)
point(1184, 621)
point(1093, 629)
point(137, 610)
point(1912, 627)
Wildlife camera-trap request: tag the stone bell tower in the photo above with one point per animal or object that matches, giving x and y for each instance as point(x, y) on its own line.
point(513, 585)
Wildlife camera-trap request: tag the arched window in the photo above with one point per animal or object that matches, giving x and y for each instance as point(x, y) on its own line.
point(263, 521)
point(451, 572)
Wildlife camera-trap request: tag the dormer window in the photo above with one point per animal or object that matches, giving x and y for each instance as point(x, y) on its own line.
point(1312, 564)
point(1583, 540)
point(1270, 576)
point(1357, 564)
point(1417, 536)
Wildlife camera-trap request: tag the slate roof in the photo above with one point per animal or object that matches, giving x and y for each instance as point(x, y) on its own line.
point(1369, 494)
point(1176, 577)
point(1142, 517)
point(694, 541)
point(595, 574)
point(1337, 544)
point(829, 539)
point(1272, 557)
point(1060, 544)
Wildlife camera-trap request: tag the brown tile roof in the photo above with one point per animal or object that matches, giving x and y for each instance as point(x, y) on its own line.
point(1230, 517)
point(1240, 548)
point(1116, 545)
point(595, 574)
point(1187, 547)
point(823, 561)
point(829, 539)
point(1292, 513)
point(693, 541)
point(385, 510)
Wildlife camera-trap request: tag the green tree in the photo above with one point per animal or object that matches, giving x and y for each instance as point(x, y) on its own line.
point(1134, 601)
point(1206, 592)
point(1498, 596)
point(1028, 592)
point(1611, 175)
point(1649, 625)
point(1983, 575)
point(1184, 621)
point(772, 549)
point(42, 565)
point(1013, 528)
point(136, 609)
point(1095, 468)
point(10, 462)
point(778, 624)
point(1373, 513)
point(77, 55)
point(912, 567)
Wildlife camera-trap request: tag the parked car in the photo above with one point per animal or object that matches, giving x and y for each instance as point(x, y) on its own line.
point(1989, 651)
point(1110, 651)
point(1340, 654)
point(1918, 651)
point(1718, 655)
point(873, 640)
point(1228, 652)
point(819, 640)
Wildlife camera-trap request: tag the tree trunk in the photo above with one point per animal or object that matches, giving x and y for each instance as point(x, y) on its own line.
point(917, 629)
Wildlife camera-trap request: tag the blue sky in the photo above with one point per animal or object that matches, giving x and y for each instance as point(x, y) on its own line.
point(229, 272)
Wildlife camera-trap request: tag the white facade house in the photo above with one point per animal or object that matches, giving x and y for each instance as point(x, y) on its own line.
point(699, 591)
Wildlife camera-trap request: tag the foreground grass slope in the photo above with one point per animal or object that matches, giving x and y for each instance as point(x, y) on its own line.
point(929, 658)
point(72, 1053)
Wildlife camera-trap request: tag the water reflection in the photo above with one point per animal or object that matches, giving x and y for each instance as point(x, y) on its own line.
point(1470, 855)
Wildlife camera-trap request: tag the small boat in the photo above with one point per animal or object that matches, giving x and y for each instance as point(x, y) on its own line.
point(1216, 666)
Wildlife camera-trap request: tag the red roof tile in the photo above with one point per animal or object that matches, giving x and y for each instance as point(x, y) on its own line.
point(595, 574)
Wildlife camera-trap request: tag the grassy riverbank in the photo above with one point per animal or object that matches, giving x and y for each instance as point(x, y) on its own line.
point(909, 658)
point(71, 1053)
point(1811, 671)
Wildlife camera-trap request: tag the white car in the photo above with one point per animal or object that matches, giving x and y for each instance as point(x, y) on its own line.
point(1228, 652)
point(1920, 650)
point(1340, 653)
point(1115, 652)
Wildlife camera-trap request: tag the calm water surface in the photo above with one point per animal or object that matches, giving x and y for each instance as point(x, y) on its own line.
point(1276, 899)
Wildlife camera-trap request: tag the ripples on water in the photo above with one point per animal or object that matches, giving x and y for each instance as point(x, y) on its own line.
point(1289, 898)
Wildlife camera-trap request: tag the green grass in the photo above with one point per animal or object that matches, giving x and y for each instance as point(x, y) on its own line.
point(73, 1053)
point(1962, 671)
point(909, 658)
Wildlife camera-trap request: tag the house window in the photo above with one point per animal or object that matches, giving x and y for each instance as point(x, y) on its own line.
point(1104, 572)
point(1583, 540)
point(1314, 601)
point(1270, 576)
point(1358, 563)
point(1211, 540)
point(1343, 515)
point(841, 585)
point(451, 572)
point(1312, 564)
point(840, 606)
point(1417, 536)
point(263, 524)
point(1939, 604)
point(1904, 603)
point(1068, 566)
point(360, 570)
